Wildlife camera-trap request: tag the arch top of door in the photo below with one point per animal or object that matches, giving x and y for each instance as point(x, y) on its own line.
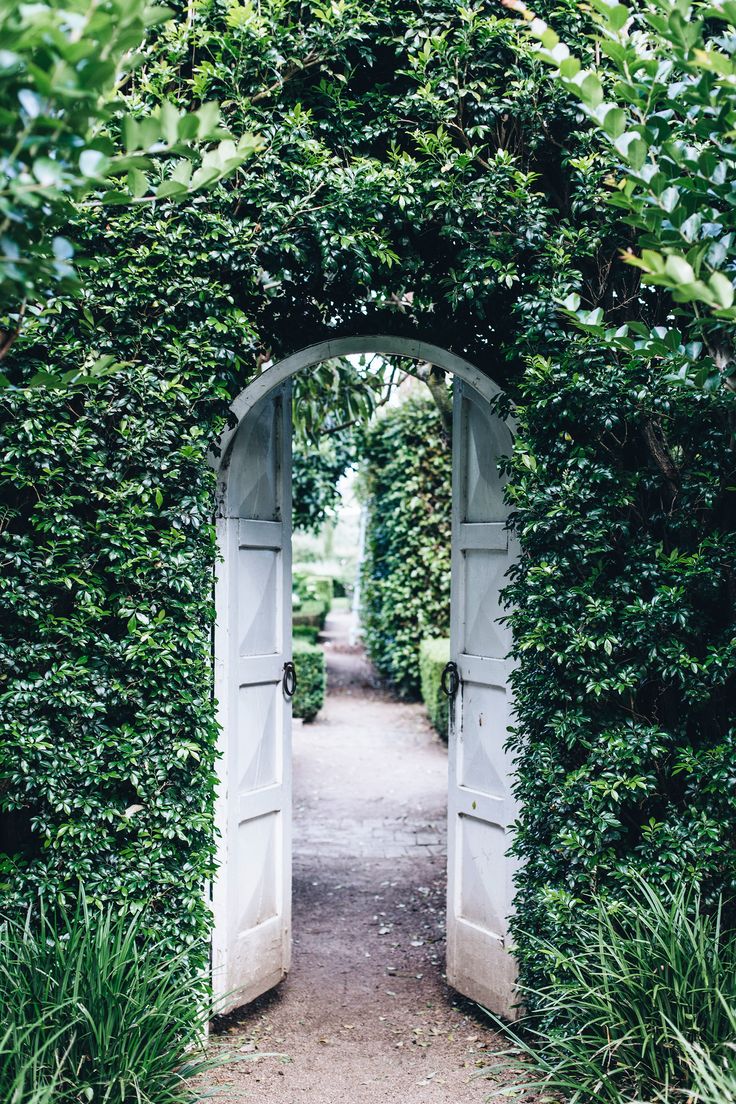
point(311, 355)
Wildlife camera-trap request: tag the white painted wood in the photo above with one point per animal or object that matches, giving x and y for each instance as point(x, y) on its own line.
point(252, 891)
point(276, 374)
point(251, 948)
point(481, 807)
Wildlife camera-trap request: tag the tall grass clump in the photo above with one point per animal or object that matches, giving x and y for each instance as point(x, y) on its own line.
point(646, 1011)
point(96, 1012)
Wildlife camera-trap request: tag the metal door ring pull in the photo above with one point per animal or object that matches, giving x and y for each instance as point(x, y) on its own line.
point(450, 681)
point(289, 680)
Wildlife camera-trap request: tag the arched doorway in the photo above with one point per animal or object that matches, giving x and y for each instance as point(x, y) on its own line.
point(252, 891)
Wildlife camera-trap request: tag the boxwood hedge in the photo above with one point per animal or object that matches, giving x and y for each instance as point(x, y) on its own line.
point(309, 660)
point(433, 655)
point(405, 592)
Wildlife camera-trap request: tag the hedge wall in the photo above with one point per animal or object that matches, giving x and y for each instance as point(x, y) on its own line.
point(309, 698)
point(106, 607)
point(405, 593)
point(373, 208)
point(624, 489)
point(433, 656)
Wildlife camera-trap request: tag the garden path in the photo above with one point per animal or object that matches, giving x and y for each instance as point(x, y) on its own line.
point(365, 1015)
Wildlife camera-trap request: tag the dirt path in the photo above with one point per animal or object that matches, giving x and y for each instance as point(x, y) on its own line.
point(365, 1015)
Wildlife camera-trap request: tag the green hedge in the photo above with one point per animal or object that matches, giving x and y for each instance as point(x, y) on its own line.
point(624, 489)
point(433, 655)
point(311, 614)
point(309, 698)
point(405, 592)
point(305, 632)
point(312, 599)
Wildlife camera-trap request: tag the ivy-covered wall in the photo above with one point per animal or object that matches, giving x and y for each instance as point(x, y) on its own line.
point(624, 491)
point(418, 176)
point(405, 577)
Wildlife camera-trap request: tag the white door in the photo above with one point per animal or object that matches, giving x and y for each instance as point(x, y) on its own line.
point(480, 803)
point(252, 890)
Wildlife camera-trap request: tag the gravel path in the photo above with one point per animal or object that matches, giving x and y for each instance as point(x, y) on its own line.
point(365, 1015)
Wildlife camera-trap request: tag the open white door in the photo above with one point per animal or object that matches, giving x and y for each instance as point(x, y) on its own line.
point(252, 890)
point(480, 803)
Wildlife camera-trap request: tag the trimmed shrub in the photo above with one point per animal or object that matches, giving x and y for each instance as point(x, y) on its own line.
point(311, 613)
point(305, 632)
point(323, 590)
point(309, 698)
point(314, 598)
point(406, 573)
point(433, 655)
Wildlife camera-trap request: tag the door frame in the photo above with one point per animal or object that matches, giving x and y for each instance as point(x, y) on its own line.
point(271, 378)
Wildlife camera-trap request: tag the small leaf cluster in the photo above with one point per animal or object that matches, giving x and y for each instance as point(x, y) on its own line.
point(664, 98)
point(405, 587)
point(60, 116)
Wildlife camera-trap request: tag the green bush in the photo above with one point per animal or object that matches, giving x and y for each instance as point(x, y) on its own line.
point(314, 594)
point(623, 614)
point(311, 680)
point(323, 590)
point(311, 613)
point(406, 574)
point(305, 632)
point(433, 655)
point(94, 1009)
point(652, 979)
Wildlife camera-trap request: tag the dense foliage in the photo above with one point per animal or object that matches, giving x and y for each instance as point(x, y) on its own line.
point(309, 661)
point(647, 1000)
point(96, 1010)
point(624, 631)
point(106, 598)
point(420, 175)
point(405, 580)
point(433, 656)
point(66, 137)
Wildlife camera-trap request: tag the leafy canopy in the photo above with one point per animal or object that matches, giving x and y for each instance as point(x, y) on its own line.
point(664, 98)
point(66, 137)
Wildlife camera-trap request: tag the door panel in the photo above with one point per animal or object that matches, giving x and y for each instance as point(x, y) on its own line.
point(252, 890)
point(480, 804)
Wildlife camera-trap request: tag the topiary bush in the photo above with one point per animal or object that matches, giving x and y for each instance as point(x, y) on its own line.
point(309, 697)
point(313, 599)
point(311, 614)
point(433, 655)
point(305, 632)
point(405, 592)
